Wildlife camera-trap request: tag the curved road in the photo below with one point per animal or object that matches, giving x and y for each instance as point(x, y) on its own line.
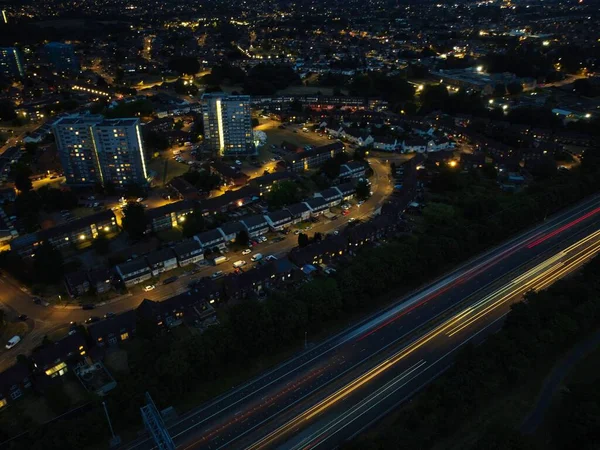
point(43, 320)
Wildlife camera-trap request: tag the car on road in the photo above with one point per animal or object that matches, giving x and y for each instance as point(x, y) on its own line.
point(23, 317)
point(92, 320)
point(239, 264)
point(336, 232)
point(109, 315)
point(247, 251)
point(351, 219)
point(170, 280)
point(12, 342)
point(149, 288)
point(217, 274)
point(360, 203)
point(271, 257)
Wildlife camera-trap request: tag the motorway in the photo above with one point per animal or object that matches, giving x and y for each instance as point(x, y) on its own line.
point(43, 320)
point(332, 391)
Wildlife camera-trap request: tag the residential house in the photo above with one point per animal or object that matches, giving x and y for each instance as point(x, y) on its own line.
point(311, 159)
point(269, 275)
point(414, 145)
point(183, 189)
point(14, 382)
point(332, 196)
point(79, 230)
point(255, 225)
point(358, 137)
point(347, 190)
point(100, 280)
point(230, 230)
point(211, 239)
point(188, 251)
point(386, 143)
point(299, 211)
point(352, 169)
point(373, 230)
point(134, 271)
point(230, 175)
point(230, 200)
point(279, 220)
point(77, 283)
point(266, 182)
point(317, 205)
point(172, 311)
point(319, 252)
point(114, 330)
point(170, 215)
point(53, 360)
point(161, 260)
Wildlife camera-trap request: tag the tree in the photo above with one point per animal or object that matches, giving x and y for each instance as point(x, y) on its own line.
point(184, 65)
point(101, 245)
point(255, 122)
point(499, 90)
point(363, 190)
point(303, 240)
point(134, 220)
point(48, 263)
point(242, 237)
point(31, 148)
point(514, 88)
point(317, 237)
point(193, 224)
point(22, 180)
point(282, 194)
point(7, 110)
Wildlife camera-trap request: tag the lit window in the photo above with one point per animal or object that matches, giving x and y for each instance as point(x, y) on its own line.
point(124, 336)
point(3, 403)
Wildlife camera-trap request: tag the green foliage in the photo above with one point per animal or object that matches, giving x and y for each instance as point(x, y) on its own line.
point(135, 108)
point(184, 65)
point(266, 79)
point(48, 264)
point(193, 224)
point(363, 190)
point(282, 194)
point(134, 220)
point(303, 240)
point(21, 173)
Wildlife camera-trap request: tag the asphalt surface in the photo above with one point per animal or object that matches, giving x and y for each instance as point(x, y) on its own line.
point(16, 300)
point(339, 387)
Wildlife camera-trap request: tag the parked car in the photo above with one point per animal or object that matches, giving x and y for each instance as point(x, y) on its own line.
point(12, 342)
point(247, 251)
point(92, 319)
point(109, 315)
point(217, 274)
point(271, 257)
point(149, 288)
point(170, 280)
point(23, 317)
point(72, 327)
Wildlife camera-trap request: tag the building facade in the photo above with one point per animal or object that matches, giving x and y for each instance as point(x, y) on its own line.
point(94, 150)
point(228, 124)
point(11, 62)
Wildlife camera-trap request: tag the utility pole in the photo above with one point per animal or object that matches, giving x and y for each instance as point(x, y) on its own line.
point(115, 440)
